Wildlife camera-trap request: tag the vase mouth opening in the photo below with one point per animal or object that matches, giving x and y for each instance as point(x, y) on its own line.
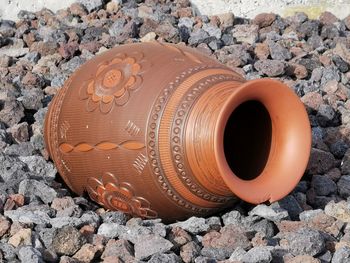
point(247, 139)
point(263, 141)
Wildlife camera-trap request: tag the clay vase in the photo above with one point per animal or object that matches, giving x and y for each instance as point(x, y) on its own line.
point(161, 130)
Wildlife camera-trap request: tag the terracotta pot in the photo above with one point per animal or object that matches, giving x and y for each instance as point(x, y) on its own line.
point(158, 130)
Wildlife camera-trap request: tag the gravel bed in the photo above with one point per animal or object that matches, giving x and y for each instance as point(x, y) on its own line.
point(42, 221)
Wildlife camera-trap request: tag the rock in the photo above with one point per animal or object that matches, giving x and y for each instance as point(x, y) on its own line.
point(119, 248)
point(34, 189)
point(330, 86)
point(39, 166)
point(344, 186)
point(320, 161)
point(237, 254)
point(13, 51)
point(113, 6)
point(8, 252)
point(122, 30)
point(212, 30)
point(5, 61)
point(246, 33)
point(234, 55)
point(179, 237)
point(308, 215)
point(315, 41)
point(49, 255)
point(264, 19)
point(30, 255)
point(88, 218)
point(342, 65)
point(325, 257)
point(67, 241)
point(185, 22)
point(13, 201)
point(151, 244)
point(32, 98)
point(323, 185)
point(258, 255)
point(189, 252)
point(150, 36)
point(340, 210)
point(269, 212)
point(193, 225)
point(4, 226)
point(262, 50)
point(66, 207)
point(162, 257)
point(226, 20)
point(345, 164)
point(77, 9)
point(91, 5)
point(73, 64)
point(68, 50)
point(12, 171)
point(66, 259)
point(271, 68)
point(330, 73)
point(136, 229)
point(167, 31)
point(21, 238)
point(327, 18)
point(227, 240)
point(303, 259)
point(292, 206)
point(321, 221)
point(28, 215)
point(44, 48)
point(341, 255)
point(86, 253)
point(111, 230)
point(11, 112)
point(308, 28)
point(115, 217)
point(329, 32)
point(19, 132)
point(305, 241)
point(312, 100)
point(214, 253)
point(264, 227)
point(214, 222)
point(46, 235)
point(278, 52)
point(232, 217)
point(198, 36)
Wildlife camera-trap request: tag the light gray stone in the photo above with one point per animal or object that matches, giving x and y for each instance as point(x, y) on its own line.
point(194, 225)
point(37, 189)
point(258, 255)
point(275, 214)
point(151, 244)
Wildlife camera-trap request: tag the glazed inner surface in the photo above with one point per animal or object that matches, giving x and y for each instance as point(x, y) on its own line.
point(247, 139)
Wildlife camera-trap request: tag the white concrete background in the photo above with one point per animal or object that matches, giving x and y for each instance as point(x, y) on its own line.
point(10, 8)
point(241, 8)
point(250, 8)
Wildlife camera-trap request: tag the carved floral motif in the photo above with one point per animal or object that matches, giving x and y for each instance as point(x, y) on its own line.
point(113, 82)
point(115, 195)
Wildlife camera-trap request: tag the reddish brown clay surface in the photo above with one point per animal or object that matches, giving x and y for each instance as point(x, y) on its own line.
point(158, 130)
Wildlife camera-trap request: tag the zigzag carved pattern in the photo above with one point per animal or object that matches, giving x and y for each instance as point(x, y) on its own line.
point(104, 146)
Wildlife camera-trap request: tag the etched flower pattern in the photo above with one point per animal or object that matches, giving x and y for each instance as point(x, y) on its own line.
point(113, 82)
point(115, 195)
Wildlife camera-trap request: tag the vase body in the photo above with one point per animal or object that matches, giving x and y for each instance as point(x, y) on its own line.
point(141, 129)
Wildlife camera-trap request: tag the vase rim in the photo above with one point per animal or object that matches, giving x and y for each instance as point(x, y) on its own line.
point(290, 142)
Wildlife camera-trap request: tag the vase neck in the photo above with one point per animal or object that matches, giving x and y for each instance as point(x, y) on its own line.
point(201, 136)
